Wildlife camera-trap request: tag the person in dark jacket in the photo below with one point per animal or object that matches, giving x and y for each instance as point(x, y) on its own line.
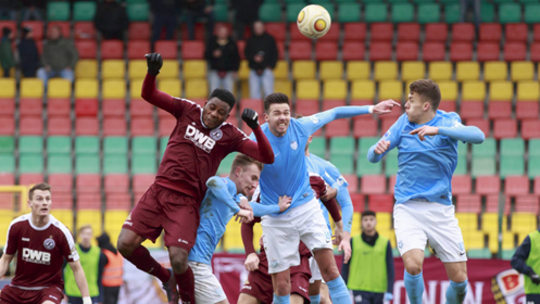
point(526, 260)
point(28, 53)
point(165, 16)
point(195, 10)
point(111, 19)
point(7, 61)
point(59, 57)
point(262, 54)
point(223, 60)
point(247, 12)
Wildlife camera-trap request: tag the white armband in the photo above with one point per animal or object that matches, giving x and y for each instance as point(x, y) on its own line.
point(370, 109)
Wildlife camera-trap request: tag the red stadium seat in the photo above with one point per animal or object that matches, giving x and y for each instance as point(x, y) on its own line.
point(516, 32)
point(530, 128)
point(527, 109)
point(281, 49)
point(113, 107)
point(408, 32)
point(490, 32)
point(448, 105)
point(352, 180)
point(307, 107)
point(488, 184)
point(7, 125)
point(60, 125)
point(58, 107)
point(114, 126)
point(37, 28)
point(31, 106)
point(338, 127)
point(86, 107)
point(276, 30)
point(252, 103)
point(139, 31)
point(355, 31)
point(527, 203)
point(535, 52)
point(112, 49)
point(353, 50)
point(65, 27)
point(469, 203)
point(63, 199)
point(536, 32)
point(300, 50)
point(487, 51)
point(358, 201)
point(392, 183)
point(31, 125)
point(62, 182)
point(141, 182)
point(88, 201)
point(12, 25)
point(499, 109)
point(461, 51)
point(326, 50)
point(87, 49)
point(364, 127)
point(380, 202)
point(536, 187)
point(116, 183)
point(436, 32)
point(386, 124)
point(295, 33)
point(88, 183)
point(504, 128)
point(332, 35)
point(8, 106)
point(7, 178)
point(407, 51)
point(84, 30)
point(168, 49)
point(192, 50)
point(433, 51)
point(382, 31)
point(328, 104)
point(492, 203)
point(30, 178)
point(166, 125)
point(515, 51)
point(373, 184)
point(472, 109)
point(86, 126)
point(461, 184)
point(380, 51)
point(142, 126)
point(516, 185)
point(463, 32)
point(139, 107)
point(137, 48)
point(118, 201)
point(482, 124)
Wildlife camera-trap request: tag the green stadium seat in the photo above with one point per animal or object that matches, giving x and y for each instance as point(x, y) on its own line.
point(396, 1)
point(402, 12)
point(511, 165)
point(429, 13)
point(163, 145)
point(423, 1)
point(375, 12)
point(115, 163)
point(391, 163)
point(30, 144)
point(487, 12)
point(138, 11)
point(461, 167)
point(7, 144)
point(139, 1)
point(144, 144)
point(221, 12)
point(482, 165)
point(487, 148)
point(58, 11)
point(533, 168)
point(225, 165)
point(507, 254)
point(31, 163)
point(509, 13)
point(365, 167)
point(87, 145)
point(342, 146)
point(452, 13)
point(59, 163)
point(143, 163)
point(346, 1)
point(512, 147)
point(7, 163)
point(448, 1)
point(318, 146)
point(115, 145)
point(58, 145)
point(529, 1)
point(84, 10)
point(344, 163)
point(270, 12)
point(87, 163)
point(532, 13)
point(348, 12)
point(484, 253)
point(534, 147)
point(292, 10)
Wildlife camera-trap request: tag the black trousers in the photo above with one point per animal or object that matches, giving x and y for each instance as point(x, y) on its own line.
point(110, 294)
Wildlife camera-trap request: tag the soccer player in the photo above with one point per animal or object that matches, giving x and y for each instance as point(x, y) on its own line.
point(218, 207)
point(288, 175)
point(41, 243)
point(197, 144)
point(427, 140)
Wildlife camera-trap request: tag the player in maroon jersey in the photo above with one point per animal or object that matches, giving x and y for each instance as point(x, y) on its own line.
point(197, 144)
point(41, 243)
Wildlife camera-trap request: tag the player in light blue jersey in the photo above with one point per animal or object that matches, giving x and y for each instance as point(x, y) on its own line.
point(288, 175)
point(427, 140)
point(225, 197)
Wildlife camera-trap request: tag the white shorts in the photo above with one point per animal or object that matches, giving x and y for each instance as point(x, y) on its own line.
point(315, 271)
point(282, 235)
point(208, 290)
point(418, 223)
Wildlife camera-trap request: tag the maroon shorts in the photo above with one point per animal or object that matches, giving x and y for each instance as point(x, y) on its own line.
point(165, 209)
point(14, 295)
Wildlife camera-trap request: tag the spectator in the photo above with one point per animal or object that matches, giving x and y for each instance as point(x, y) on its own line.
point(33, 10)
point(196, 9)
point(59, 56)
point(113, 271)
point(164, 17)
point(247, 11)
point(92, 261)
point(223, 60)
point(8, 10)
point(261, 53)
point(7, 61)
point(526, 260)
point(111, 19)
point(474, 5)
point(28, 53)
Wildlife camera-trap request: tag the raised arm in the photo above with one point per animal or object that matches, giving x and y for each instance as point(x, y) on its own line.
point(218, 187)
point(80, 279)
point(260, 150)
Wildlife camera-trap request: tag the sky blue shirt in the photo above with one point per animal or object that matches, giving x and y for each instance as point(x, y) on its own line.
point(288, 175)
point(426, 167)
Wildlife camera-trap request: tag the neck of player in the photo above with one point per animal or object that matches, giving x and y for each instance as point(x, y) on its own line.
point(428, 116)
point(40, 220)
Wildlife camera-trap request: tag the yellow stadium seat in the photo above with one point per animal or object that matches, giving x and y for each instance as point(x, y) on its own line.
point(523, 222)
point(356, 224)
point(114, 88)
point(473, 239)
point(281, 71)
point(196, 88)
point(384, 220)
point(65, 216)
point(90, 217)
point(307, 89)
point(59, 88)
point(334, 89)
point(6, 216)
point(388, 233)
point(412, 70)
point(137, 69)
point(508, 240)
point(467, 70)
point(113, 68)
point(244, 87)
point(440, 70)
point(86, 88)
point(330, 70)
point(490, 222)
point(390, 89)
point(194, 69)
point(493, 242)
point(257, 234)
point(31, 88)
point(303, 69)
point(135, 87)
point(88, 68)
point(243, 71)
point(358, 70)
point(521, 70)
point(449, 90)
point(385, 70)
point(528, 90)
point(172, 87)
point(474, 90)
point(157, 244)
point(8, 87)
point(170, 69)
point(363, 90)
point(501, 90)
point(495, 70)
point(467, 221)
point(114, 219)
point(232, 239)
point(283, 86)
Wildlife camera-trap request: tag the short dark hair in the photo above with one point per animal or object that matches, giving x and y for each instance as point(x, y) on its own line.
point(428, 91)
point(225, 96)
point(242, 160)
point(367, 213)
point(40, 186)
point(275, 98)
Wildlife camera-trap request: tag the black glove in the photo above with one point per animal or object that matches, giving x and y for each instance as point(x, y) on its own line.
point(535, 278)
point(251, 118)
point(154, 62)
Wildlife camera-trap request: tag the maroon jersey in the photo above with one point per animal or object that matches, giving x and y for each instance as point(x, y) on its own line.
point(194, 152)
point(40, 252)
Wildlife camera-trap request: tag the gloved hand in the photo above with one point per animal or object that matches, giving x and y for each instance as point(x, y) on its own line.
point(154, 63)
point(251, 118)
point(535, 278)
point(388, 296)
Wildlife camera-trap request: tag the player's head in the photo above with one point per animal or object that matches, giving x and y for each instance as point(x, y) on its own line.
point(423, 99)
point(258, 28)
point(277, 112)
point(39, 199)
point(85, 235)
point(369, 222)
point(217, 108)
point(245, 173)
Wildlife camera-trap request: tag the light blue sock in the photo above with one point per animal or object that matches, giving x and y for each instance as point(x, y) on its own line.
point(414, 284)
point(456, 292)
point(315, 299)
point(282, 299)
point(338, 291)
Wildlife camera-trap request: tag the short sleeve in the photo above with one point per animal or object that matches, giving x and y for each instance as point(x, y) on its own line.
point(12, 240)
point(69, 251)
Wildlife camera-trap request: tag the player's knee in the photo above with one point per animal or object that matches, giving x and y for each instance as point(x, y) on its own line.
point(413, 268)
point(124, 247)
point(283, 287)
point(179, 261)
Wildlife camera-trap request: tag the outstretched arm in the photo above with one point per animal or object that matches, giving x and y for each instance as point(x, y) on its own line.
point(469, 134)
point(260, 150)
point(80, 279)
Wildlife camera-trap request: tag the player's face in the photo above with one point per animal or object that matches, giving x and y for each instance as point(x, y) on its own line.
point(247, 179)
point(415, 107)
point(40, 202)
point(278, 118)
point(215, 112)
point(368, 223)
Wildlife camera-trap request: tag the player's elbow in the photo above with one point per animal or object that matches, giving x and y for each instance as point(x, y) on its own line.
point(213, 182)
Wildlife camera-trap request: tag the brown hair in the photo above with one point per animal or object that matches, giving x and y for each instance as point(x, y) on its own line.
point(428, 91)
point(242, 160)
point(84, 227)
point(275, 98)
point(40, 186)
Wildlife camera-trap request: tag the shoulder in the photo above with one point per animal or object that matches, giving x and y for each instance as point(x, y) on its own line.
point(188, 103)
point(62, 230)
point(449, 118)
point(19, 222)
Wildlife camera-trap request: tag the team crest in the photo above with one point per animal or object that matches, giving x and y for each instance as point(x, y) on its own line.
point(294, 145)
point(49, 243)
point(216, 134)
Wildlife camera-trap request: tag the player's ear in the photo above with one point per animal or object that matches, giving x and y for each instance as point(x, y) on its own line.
point(265, 116)
point(426, 106)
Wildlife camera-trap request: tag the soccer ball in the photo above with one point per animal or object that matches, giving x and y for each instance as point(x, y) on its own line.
point(313, 21)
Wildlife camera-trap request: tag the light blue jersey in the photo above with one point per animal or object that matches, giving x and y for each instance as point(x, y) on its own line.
point(333, 177)
point(288, 174)
point(426, 167)
point(219, 205)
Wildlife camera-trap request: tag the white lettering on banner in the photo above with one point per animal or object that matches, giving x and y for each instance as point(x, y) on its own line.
point(36, 256)
point(202, 141)
point(474, 295)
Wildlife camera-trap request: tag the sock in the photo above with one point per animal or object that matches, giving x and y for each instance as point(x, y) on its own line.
point(456, 292)
point(186, 286)
point(414, 284)
point(338, 291)
point(315, 299)
point(282, 299)
point(141, 258)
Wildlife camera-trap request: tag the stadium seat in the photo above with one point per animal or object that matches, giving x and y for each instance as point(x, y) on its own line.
point(113, 68)
point(136, 49)
point(65, 27)
point(461, 51)
point(86, 126)
point(139, 31)
point(194, 69)
point(531, 13)
point(168, 49)
point(363, 90)
point(490, 32)
point(334, 89)
point(84, 30)
point(326, 50)
point(527, 203)
point(37, 28)
point(428, 13)
point(382, 31)
point(407, 51)
point(433, 51)
point(412, 70)
point(515, 32)
point(515, 51)
point(84, 11)
point(31, 88)
point(436, 32)
point(486, 185)
point(463, 32)
point(358, 70)
point(488, 51)
point(192, 50)
point(31, 163)
point(30, 125)
point(12, 25)
point(461, 184)
point(58, 145)
point(270, 12)
point(114, 126)
point(530, 129)
point(375, 12)
point(30, 106)
point(504, 128)
point(364, 127)
point(473, 91)
point(196, 88)
point(114, 88)
point(112, 49)
point(355, 31)
point(390, 89)
point(86, 107)
point(330, 70)
point(495, 70)
point(373, 184)
point(353, 50)
point(469, 203)
point(86, 88)
point(467, 70)
point(58, 125)
point(138, 11)
point(521, 70)
point(385, 70)
point(348, 12)
point(528, 91)
point(380, 51)
point(501, 91)
point(58, 11)
point(300, 50)
point(380, 202)
point(303, 69)
point(408, 32)
point(308, 89)
point(332, 35)
point(526, 110)
point(87, 49)
point(337, 128)
point(499, 109)
point(440, 70)
point(516, 185)
point(509, 13)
